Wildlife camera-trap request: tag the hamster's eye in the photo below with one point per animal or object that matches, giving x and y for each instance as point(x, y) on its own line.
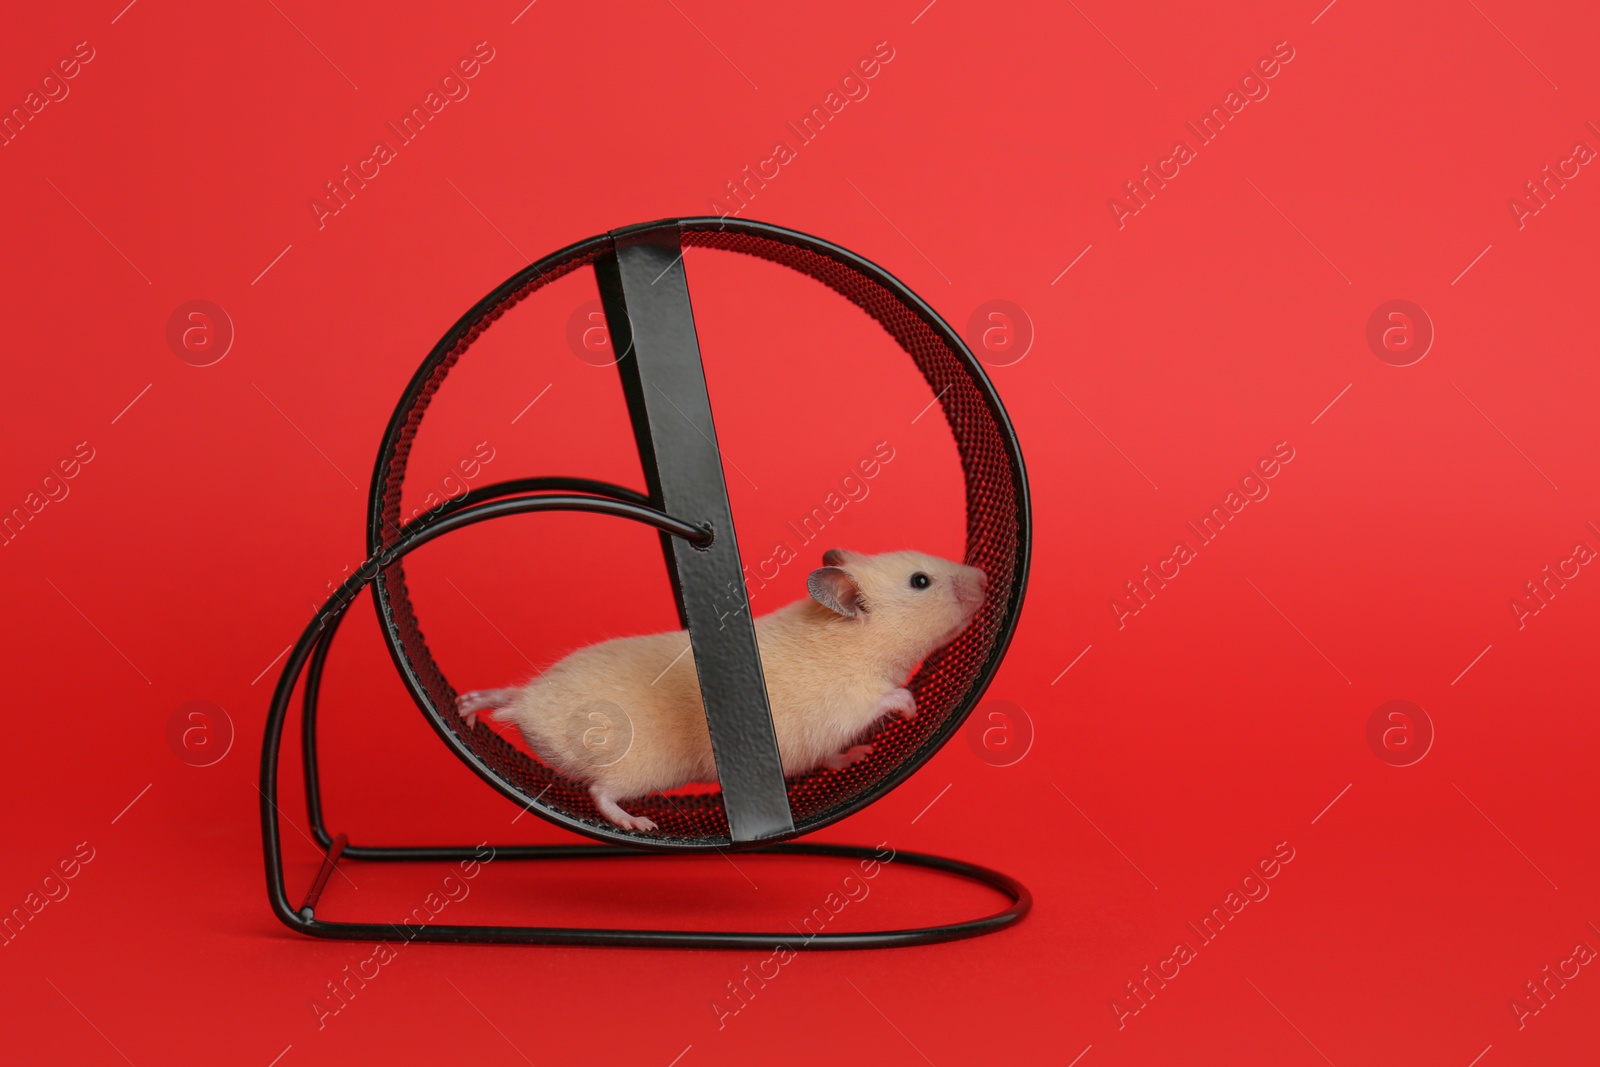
point(920, 581)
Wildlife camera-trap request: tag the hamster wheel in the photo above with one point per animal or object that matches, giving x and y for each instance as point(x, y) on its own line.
point(645, 297)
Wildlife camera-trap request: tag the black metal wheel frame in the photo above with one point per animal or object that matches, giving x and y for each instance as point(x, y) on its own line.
point(638, 319)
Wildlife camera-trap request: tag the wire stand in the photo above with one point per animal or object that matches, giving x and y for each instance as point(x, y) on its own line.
point(308, 656)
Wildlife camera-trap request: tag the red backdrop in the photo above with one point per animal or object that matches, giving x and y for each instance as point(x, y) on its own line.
point(174, 516)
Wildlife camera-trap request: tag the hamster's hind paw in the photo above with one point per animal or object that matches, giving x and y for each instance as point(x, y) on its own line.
point(848, 758)
point(469, 704)
point(611, 810)
point(898, 702)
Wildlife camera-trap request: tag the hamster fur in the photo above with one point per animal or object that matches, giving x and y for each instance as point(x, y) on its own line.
point(625, 716)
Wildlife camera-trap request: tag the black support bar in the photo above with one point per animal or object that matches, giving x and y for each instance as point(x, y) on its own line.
point(330, 859)
point(645, 293)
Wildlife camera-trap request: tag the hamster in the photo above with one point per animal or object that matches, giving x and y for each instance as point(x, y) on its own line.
point(625, 716)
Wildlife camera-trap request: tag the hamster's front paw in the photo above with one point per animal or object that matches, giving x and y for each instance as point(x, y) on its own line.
point(838, 761)
point(898, 702)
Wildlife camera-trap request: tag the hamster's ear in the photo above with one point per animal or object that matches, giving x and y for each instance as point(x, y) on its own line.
point(836, 557)
point(837, 591)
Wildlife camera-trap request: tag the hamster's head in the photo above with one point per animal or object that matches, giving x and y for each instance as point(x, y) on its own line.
point(911, 598)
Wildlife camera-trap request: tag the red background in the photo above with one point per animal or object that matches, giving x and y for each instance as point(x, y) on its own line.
point(1223, 318)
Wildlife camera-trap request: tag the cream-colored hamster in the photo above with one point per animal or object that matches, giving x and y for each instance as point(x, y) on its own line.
point(625, 716)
